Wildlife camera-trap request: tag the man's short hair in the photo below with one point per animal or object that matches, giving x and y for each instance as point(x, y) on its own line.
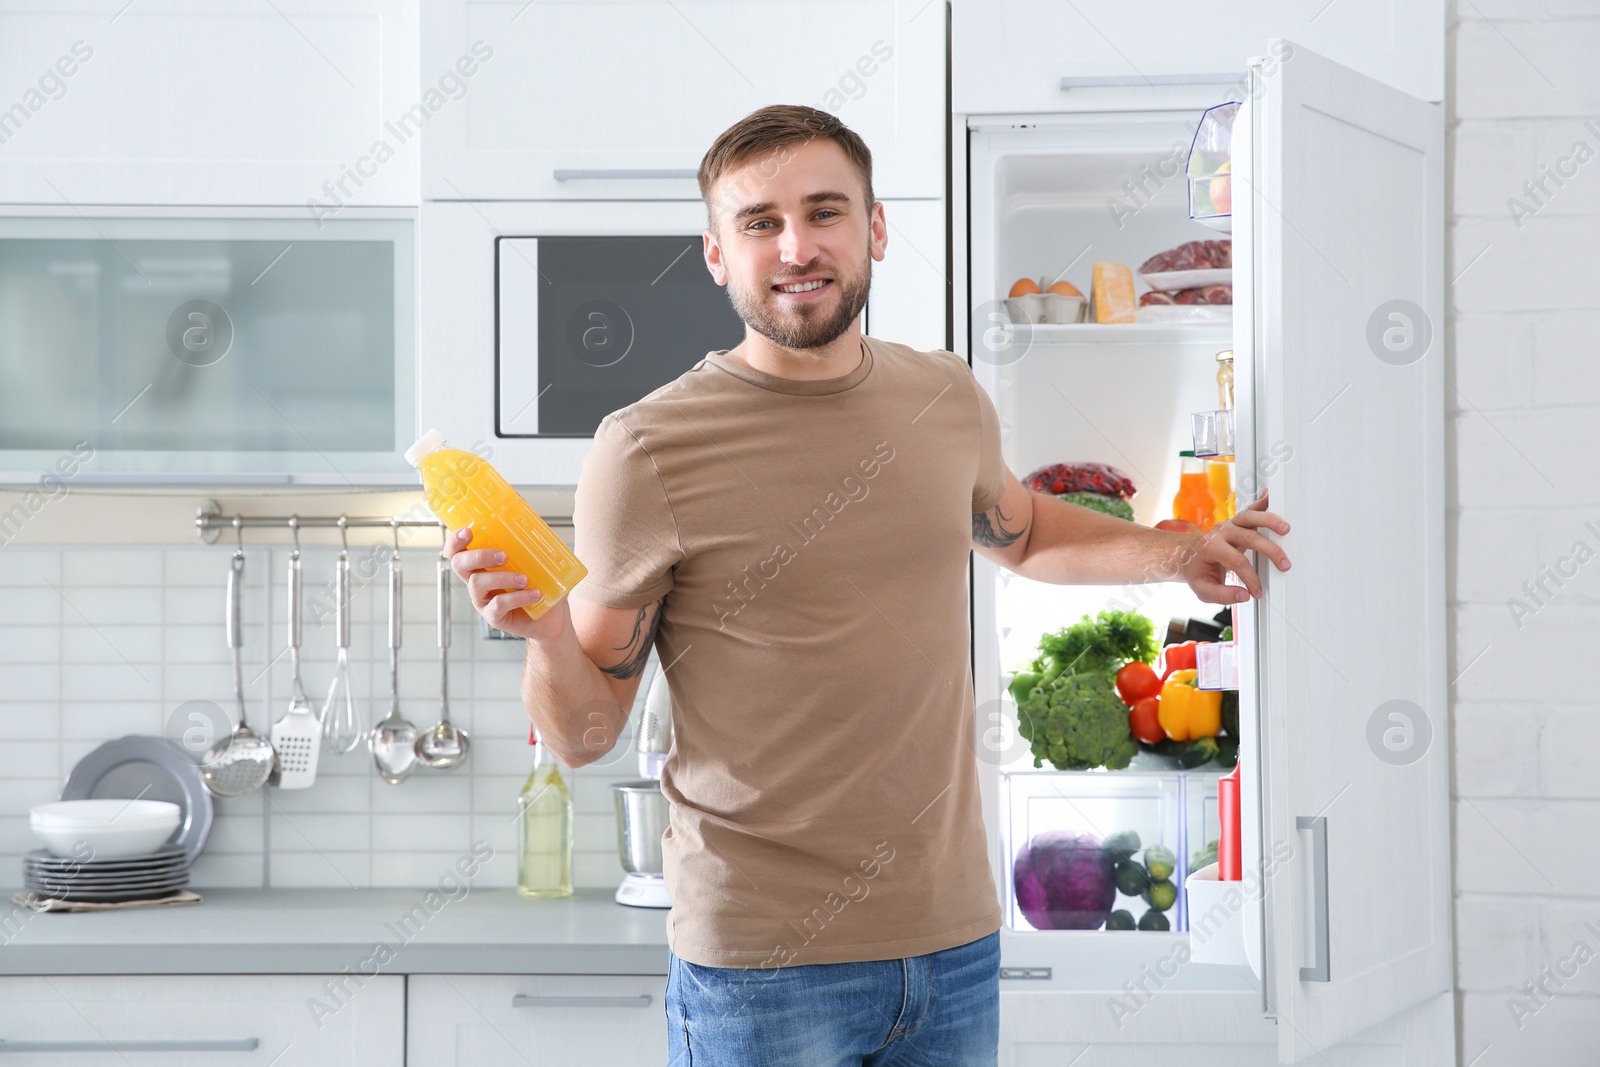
point(766, 133)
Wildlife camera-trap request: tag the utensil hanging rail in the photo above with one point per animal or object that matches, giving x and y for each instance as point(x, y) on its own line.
point(210, 523)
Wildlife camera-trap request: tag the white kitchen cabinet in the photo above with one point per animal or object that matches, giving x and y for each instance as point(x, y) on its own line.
point(619, 99)
point(237, 346)
point(202, 1021)
point(1042, 55)
point(237, 103)
point(1338, 368)
point(910, 288)
point(535, 1021)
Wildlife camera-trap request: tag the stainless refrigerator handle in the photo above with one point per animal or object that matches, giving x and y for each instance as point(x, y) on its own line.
point(1318, 825)
point(524, 1000)
point(242, 1044)
point(613, 173)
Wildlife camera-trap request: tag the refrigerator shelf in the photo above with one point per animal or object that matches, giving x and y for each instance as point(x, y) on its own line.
point(1095, 333)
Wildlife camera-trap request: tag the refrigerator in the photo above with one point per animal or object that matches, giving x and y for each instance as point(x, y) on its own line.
point(1341, 933)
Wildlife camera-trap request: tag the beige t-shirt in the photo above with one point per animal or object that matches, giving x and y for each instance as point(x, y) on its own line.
point(810, 539)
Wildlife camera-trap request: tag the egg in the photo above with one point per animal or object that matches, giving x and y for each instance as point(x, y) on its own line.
point(1064, 289)
point(1024, 287)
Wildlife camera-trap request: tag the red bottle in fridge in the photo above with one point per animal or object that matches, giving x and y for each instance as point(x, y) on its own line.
point(1229, 866)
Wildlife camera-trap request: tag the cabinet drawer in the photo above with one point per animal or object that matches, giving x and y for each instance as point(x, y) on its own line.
point(517, 1021)
point(619, 99)
point(201, 1021)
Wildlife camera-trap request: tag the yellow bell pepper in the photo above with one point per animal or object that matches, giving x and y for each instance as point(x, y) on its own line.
point(1187, 713)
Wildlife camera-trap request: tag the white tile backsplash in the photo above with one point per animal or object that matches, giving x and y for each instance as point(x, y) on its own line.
point(100, 642)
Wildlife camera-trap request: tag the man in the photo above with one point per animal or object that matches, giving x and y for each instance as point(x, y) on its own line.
point(788, 524)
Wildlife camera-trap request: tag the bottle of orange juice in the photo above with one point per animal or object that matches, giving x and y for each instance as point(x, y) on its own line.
point(1219, 478)
point(464, 490)
point(1194, 502)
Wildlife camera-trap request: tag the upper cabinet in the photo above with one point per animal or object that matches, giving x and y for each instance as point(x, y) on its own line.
point(293, 103)
point(1042, 55)
point(619, 99)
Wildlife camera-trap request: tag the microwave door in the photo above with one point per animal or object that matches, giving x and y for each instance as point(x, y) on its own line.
point(588, 325)
point(517, 337)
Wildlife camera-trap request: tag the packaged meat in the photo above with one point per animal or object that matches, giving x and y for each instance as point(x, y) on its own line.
point(1062, 478)
point(1191, 255)
point(1111, 298)
point(1210, 294)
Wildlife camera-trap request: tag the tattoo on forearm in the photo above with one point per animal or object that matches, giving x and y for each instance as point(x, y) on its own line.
point(637, 648)
point(994, 535)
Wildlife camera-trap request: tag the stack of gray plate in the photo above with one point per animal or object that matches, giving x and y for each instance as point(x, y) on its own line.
point(158, 874)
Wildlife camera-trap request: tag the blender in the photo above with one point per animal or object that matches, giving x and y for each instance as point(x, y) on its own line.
point(642, 809)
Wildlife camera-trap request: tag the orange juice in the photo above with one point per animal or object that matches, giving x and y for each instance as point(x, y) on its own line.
point(1219, 479)
point(1193, 502)
point(464, 490)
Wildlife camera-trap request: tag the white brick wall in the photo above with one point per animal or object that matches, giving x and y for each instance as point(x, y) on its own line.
point(1526, 388)
point(98, 642)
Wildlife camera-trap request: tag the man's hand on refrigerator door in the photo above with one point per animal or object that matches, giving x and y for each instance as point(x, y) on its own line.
point(1212, 555)
point(500, 596)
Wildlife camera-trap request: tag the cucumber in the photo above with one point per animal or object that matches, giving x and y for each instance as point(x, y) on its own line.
point(1188, 754)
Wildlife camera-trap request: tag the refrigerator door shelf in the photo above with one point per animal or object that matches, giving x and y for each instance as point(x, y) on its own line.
point(1216, 918)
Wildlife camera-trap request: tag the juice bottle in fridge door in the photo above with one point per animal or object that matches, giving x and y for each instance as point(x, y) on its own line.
point(1194, 502)
point(464, 490)
point(1219, 479)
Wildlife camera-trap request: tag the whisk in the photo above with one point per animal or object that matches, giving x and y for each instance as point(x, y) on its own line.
point(341, 729)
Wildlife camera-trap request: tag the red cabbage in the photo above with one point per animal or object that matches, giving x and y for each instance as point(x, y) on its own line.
point(1065, 880)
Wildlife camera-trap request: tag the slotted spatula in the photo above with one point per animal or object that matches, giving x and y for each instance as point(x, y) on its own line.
point(297, 737)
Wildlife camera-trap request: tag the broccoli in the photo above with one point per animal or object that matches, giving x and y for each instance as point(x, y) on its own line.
point(1067, 705)
point(1077, 721)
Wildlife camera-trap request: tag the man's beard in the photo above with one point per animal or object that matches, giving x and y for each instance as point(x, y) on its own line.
point(807, 329)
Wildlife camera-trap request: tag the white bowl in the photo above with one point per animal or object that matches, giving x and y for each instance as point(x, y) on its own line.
point(105, 812)
point(104, 829)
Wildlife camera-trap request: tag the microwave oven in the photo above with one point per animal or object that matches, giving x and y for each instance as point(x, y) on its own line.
point(538, 318)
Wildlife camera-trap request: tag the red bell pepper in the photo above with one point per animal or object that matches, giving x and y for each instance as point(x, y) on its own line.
point(1178, 658)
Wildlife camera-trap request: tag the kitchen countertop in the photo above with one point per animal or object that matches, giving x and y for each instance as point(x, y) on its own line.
point(322, 931)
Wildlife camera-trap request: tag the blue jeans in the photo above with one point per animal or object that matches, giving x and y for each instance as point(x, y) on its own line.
point(938, 1010)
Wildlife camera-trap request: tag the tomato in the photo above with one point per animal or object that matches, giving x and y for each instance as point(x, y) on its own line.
point(1136, 681)
point(1145, 721)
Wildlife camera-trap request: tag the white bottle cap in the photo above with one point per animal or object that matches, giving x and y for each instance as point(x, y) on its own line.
point(431, 441)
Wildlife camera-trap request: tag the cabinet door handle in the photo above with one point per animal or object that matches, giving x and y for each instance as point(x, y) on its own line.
point(524, 1000)
point(1318, 825)
point(613, 173)
point(242, 1044)
point(1118, 81)
point(178, 478)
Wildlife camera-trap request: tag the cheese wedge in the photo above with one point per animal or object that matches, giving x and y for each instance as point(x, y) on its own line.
point(1111, 296)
